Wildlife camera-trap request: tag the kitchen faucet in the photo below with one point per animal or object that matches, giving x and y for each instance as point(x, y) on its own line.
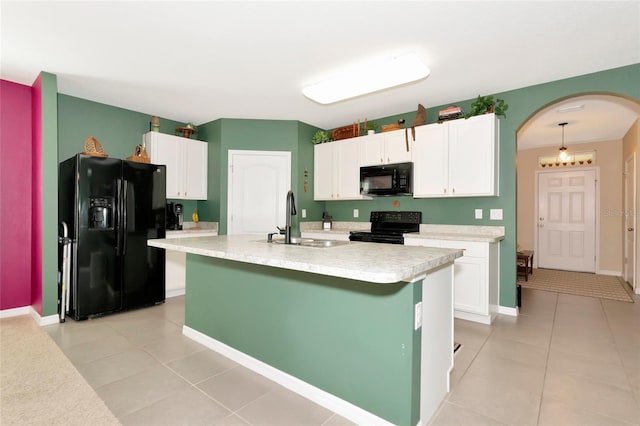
point(291, 211)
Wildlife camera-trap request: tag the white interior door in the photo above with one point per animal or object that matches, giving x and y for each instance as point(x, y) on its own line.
point(257, 191)
point(630, 221)
point(567, 220)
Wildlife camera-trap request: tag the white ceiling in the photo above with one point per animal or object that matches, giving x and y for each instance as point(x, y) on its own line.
point(200, 61)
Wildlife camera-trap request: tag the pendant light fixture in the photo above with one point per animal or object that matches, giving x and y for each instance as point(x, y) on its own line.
point(562, 154)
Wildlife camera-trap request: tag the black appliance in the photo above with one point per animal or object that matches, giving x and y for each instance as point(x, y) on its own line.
point(387, 179)
point(389, 227)
point(112, 207)
point(175, 216)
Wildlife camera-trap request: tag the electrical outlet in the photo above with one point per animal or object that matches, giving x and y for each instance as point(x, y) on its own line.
point(304, 213)
point(478, 213)
point(356, 213)
point(495, 214)
point(417, 316)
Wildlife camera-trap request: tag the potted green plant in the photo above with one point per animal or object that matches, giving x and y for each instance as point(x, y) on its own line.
point(320, 137)
point(487, 105)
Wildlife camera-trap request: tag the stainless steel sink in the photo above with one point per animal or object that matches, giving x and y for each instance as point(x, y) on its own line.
point(310, 242)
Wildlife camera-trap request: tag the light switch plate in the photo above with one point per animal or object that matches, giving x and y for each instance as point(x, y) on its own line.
point(495, 214)
point(304, 213)
point(356, 213)
point(478, 213)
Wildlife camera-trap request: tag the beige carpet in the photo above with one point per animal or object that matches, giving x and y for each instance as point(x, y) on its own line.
point(39, 385)
point(578, 283)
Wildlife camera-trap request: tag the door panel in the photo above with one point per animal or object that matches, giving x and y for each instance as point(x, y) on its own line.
point(143, 219)
point(630, 221)
point(258, 185)
point(567, 220)
point(96, 285)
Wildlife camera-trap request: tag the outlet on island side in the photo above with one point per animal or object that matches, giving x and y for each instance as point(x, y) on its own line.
point(304, 213)
point(356, 213)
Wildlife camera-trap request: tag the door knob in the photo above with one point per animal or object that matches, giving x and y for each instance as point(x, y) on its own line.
point(629, 229)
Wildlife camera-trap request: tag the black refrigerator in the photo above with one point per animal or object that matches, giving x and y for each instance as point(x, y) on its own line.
point(111, 208)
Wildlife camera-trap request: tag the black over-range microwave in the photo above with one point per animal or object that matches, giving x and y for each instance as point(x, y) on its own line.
point(387, 179)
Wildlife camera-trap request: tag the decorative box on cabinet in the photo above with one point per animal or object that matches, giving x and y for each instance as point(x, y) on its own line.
point(386, 148)
point(186, 161)
point(336, 167)
point(476, 278)
point(457, 158)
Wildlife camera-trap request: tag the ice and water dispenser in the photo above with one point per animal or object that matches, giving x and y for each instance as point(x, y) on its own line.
point(101, 213)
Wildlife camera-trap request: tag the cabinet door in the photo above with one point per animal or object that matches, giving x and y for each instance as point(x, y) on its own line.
point(395, 145)
point(470, 290)
point(166, 149)
point(195, 170)
point(323, 171)
point(348, 182)
point(430, 158)
point(372, 149)
point(472, 152)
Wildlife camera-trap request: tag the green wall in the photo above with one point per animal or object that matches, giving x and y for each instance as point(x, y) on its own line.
point(523, 103)
point(260, 135)
point(49, 114)
point(118, 130)
point(350, 338)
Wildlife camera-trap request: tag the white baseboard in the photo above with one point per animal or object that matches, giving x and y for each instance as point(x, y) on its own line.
point(607, 272)
point(28, 310)
point(505, 310)
point(317, 395)
point(15, 312)
point(467, 316)
point(175, 292)
point(42, 321)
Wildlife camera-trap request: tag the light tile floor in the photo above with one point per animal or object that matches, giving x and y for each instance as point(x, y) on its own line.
point(566, 360)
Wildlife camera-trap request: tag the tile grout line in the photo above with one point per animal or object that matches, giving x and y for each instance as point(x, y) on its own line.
point(546, 364)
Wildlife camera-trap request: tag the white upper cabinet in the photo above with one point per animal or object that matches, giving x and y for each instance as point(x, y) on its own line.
point(457, 158)
point(186, 161)
point(386, 148)
point(336, 168)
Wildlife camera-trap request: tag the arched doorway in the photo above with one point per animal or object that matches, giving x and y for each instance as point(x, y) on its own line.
point(606, 125)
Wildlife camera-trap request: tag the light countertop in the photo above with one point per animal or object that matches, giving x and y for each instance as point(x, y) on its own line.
point(488, 234)
point(371, 262)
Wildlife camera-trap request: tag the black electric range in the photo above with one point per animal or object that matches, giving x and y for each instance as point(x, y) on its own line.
point(389, 227)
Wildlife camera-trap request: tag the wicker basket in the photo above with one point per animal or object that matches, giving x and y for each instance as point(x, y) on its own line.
point(139, 155)
point(93, 147)
point(345, 132)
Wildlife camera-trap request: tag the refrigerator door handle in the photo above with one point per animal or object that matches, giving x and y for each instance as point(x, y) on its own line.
point(118, 221)
point(125, 207)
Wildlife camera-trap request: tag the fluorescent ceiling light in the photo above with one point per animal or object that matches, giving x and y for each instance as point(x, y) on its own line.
point(367, 78)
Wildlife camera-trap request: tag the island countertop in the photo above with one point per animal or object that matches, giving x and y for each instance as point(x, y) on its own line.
point(371, 262)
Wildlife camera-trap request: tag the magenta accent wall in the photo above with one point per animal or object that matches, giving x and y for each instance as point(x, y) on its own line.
point(36, 196)
point(15, 193)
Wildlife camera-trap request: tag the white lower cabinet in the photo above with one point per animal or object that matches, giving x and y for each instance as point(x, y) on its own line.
point(176, 265)
point(476, 277)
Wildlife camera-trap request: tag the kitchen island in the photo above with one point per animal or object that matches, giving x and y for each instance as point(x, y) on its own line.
point(363, 329)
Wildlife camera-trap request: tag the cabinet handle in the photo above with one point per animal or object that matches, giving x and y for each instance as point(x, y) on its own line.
point(388, 160)
point(445, 190)
point(453, 190)
point(381, 160)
